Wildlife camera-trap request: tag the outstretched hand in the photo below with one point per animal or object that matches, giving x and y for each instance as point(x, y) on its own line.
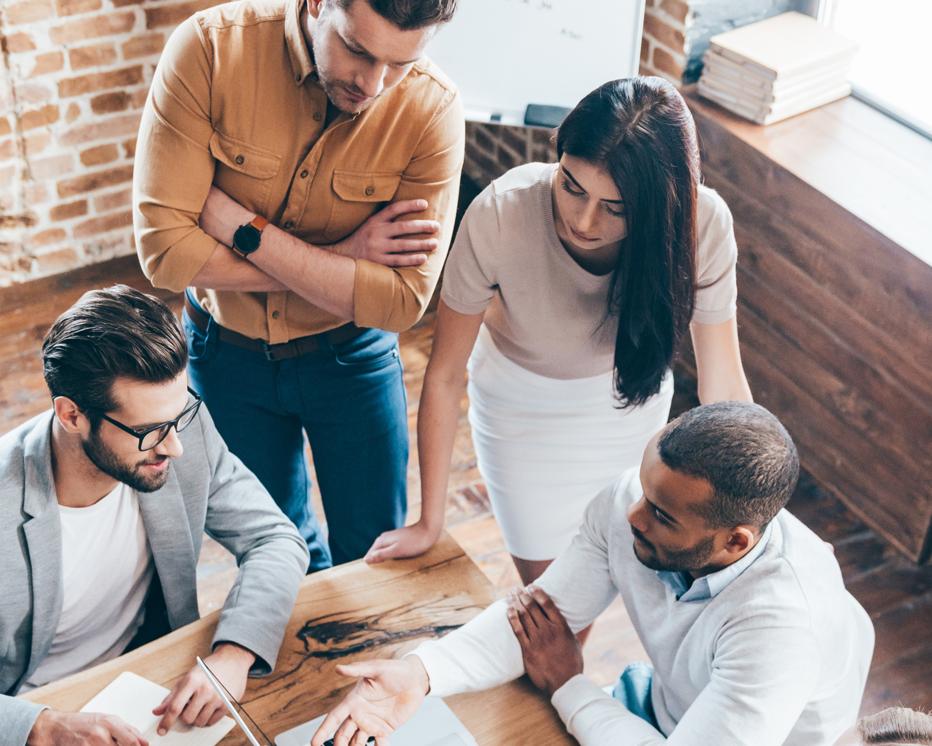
point(400, 543)
point(387, 694)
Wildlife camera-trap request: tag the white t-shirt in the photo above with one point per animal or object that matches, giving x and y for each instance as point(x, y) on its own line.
point(106, 571)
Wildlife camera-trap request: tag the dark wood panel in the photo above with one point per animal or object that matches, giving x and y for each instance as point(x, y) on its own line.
point(834, 319)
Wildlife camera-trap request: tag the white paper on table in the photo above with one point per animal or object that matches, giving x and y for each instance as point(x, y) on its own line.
point(132, 698)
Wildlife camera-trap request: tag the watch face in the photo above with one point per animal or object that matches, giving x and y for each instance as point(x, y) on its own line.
point(246, 239)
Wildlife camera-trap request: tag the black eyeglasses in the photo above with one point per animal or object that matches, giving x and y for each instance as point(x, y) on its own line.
point(150, 437)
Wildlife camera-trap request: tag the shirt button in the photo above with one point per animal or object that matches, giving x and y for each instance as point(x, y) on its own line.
point(304, 174)
point(318, 116)
point(289, 224)
point(276, 314)
point(239, 160)
point(370, 190)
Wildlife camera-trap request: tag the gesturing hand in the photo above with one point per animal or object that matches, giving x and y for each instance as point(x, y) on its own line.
point(82, 729)
point(386, 239)
point(386, 695)
point(552, 655)
point(194, 701)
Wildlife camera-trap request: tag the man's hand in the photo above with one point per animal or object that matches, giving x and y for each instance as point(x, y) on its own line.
point(409, 541)
point(386, 695)
point(552, 655)
point(222, 215)
point(194, 701)
point(82, 729)
point(386, 239)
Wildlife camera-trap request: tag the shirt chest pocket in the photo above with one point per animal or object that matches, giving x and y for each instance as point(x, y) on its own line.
point(356, 196)
point(246, 173)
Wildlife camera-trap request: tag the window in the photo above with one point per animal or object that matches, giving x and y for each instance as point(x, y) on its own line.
point(890, 70)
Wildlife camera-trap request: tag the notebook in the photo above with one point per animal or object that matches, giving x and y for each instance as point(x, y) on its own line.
point(132, 698)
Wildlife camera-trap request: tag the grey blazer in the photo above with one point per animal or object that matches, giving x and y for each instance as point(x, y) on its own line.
point(208, 490)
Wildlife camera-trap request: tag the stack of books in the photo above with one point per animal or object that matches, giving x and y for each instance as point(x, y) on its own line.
point(777, 68)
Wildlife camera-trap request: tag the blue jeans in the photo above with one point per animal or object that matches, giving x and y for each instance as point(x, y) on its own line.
point(633, 691)
point(348, 398)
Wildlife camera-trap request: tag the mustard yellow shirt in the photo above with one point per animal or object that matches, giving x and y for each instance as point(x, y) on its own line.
point(236, 102)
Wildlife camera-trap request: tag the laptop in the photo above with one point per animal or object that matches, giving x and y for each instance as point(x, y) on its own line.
point(434, 724)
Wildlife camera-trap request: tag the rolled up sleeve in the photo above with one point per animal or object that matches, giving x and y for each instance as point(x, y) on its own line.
point(174, 168)
point(395, 298)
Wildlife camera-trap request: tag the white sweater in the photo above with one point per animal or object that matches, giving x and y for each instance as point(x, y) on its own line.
point(779, 656)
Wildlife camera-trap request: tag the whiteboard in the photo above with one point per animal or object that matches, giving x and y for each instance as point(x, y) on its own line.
point(506, 54)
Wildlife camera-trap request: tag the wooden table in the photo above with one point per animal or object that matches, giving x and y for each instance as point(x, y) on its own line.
point(348, 613)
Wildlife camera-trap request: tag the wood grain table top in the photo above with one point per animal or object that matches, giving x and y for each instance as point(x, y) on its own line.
point(348, 613)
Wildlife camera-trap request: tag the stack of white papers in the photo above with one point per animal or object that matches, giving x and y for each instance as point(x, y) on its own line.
point(777, 68)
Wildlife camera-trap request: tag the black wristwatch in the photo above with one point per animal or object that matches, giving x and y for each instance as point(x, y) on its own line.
point(247, 237)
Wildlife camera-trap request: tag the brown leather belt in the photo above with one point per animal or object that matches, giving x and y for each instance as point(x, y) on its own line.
point(283, 351)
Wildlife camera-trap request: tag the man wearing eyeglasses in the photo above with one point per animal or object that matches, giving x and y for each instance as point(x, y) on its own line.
point(104, 501)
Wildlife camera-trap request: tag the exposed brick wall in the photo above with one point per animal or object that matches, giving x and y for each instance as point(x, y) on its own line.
point(73, 80)
point(74, 76)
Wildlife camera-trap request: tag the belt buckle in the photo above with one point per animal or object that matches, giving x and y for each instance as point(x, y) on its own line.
point(269, 352)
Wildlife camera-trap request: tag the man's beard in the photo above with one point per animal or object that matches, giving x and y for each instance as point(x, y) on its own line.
point(106, 460)
point(689, 560)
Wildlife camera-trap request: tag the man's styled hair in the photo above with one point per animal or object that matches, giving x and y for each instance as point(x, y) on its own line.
point(111, 333)
point(896, 726)
point(410, 14)
point(740, 449)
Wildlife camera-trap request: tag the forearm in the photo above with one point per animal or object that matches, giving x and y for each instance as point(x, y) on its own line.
point(224, 270)
point(479, 655)
point(438, 415)
point(727, 387)
point(593, 717)
point(319, 276)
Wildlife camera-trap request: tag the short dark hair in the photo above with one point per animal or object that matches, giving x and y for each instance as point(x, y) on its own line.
point(743, 452)
point(896, 726)
point(111, 333)
point(411, 14)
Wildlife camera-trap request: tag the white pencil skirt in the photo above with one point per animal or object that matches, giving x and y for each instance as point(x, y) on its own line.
point(545, 447)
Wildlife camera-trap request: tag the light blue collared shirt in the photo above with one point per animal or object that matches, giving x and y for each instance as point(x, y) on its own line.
point(709, 586)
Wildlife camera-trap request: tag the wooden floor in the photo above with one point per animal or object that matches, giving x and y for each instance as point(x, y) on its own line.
point(897, 594)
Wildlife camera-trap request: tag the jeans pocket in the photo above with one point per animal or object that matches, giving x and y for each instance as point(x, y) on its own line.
point(200, 344)
point(368, 351)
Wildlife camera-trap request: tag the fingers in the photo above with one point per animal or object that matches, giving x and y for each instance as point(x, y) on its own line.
point(517, 627)
point(192, 711)
point(330, 724)
point(344, 733)
point(528, 611)
point(123, 733)
point(546, 604)
point(177, 701)
point(405, 260)
point(413, 245)
point(413, 227)
point(396, 209)
point(389, 551)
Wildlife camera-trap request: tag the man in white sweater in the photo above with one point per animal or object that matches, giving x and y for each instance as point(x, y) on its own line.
point(752, 637)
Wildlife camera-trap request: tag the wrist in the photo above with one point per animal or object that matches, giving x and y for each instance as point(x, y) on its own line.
point(230, 652)
point(40, 733)
point(419, 672)
point(430, 525)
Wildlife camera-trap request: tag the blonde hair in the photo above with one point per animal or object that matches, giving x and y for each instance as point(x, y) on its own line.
point(896, 726)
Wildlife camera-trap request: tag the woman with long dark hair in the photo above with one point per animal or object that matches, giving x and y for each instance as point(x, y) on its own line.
point(568, 290)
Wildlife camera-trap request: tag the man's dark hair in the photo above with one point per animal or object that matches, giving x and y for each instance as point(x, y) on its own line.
point(743, 452)
point(111, 333)
point(411, 14)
